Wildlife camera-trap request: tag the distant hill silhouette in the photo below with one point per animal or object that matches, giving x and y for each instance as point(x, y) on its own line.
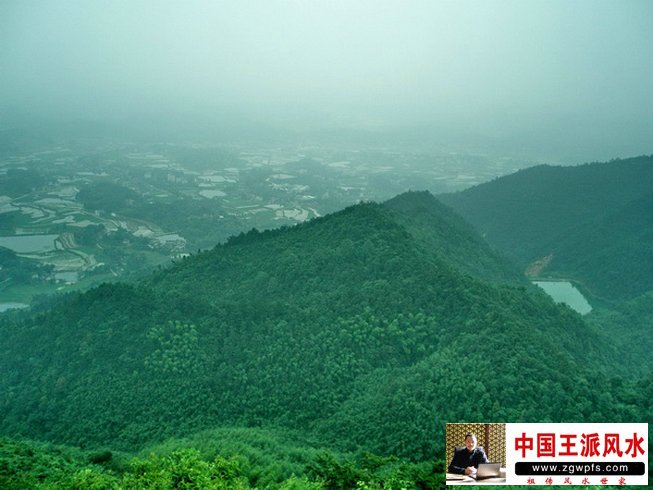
point(592, 222)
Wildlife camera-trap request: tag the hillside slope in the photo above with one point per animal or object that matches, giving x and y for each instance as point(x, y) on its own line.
point(441, 230)
point(346, 327)
point(593, 221)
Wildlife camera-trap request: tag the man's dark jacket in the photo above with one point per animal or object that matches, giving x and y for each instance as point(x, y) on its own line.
point(462, 458)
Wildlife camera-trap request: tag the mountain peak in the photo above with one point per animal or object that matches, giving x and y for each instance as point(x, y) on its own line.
point(439, 229)
point(308, 327)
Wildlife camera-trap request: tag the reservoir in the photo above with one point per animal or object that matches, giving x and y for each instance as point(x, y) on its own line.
point(565, 292)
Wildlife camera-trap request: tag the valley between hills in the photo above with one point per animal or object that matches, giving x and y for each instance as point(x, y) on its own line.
point(328, 352)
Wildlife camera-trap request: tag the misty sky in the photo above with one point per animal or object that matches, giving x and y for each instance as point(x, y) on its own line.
point(491, 67)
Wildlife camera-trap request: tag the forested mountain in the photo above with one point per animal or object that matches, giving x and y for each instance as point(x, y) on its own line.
point(365, 330)
point(439, 229)
point(629, 325)
point(592, 222)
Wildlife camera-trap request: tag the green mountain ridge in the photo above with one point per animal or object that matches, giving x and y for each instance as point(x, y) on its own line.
point(614, 254)
point(437, 227)
point(592, 220)
point(356, 328)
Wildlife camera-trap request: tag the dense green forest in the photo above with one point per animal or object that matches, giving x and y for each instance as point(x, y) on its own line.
point(362, 333)
point(628, 324)
point(231, 458)
point(593, 222)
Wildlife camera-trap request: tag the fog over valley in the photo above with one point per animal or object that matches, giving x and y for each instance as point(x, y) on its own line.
point(554, 81)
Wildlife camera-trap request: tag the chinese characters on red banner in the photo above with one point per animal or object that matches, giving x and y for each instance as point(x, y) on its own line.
point(585, 445)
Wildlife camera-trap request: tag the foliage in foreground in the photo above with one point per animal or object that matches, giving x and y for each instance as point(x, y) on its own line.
point(27, 464)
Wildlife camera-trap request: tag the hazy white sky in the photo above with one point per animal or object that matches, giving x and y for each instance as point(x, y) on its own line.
point(492, 65)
